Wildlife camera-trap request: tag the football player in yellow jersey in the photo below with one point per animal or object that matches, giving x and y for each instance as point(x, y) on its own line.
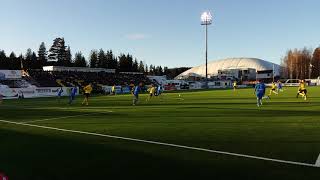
point(234, 85)
point(87, 91)
point(302, 90)
point(273, 89)
point(113, 90)
point(152, 91)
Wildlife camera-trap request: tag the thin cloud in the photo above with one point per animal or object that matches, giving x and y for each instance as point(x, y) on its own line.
point(137, 36)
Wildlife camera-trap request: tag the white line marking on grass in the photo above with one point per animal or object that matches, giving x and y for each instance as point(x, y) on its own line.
point(318, 161)
point(165, 144)
point(64, 117)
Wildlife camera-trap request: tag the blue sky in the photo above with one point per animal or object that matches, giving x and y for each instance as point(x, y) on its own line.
point(163, 32)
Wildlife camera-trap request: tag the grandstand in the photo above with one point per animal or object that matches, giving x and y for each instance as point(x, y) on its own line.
point(70, 78)
point(19, 80)
point(74, 76)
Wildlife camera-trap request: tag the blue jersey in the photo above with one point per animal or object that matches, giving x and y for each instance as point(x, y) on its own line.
point(260, 88)
point(159, 89)
point(137, 90)
point(280, 85)
point(60, 92)
point(73, 91)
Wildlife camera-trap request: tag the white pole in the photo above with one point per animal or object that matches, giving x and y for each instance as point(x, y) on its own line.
point(272, 72)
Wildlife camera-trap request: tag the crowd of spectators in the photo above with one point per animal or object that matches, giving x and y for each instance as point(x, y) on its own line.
point(72, 78)
point(42, 79)
point(19, 83)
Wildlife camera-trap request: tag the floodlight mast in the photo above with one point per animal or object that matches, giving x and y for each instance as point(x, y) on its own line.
point(206, 19)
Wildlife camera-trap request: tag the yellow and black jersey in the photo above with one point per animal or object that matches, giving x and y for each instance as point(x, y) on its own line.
point(302, 86)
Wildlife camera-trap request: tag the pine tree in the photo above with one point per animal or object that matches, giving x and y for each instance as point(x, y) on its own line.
point(13, 62)
point(129, 65)
point(3, 59)
point(111, 64)
point(27, 63)
point(123, 63)
point(28, 55)
point(83, 62)
point(115, 64)
point(135, 66)
point(160, 71)
point(3, 55)
point(34, 61)
point(141, 67)
point(62, 54)
point(12, 55)
point(79, 60)
point(165, 70)
point(42, 55)
point(93, 59)
point(147, 70)
point(68, 57)
point(57, 52)
point(156, 70)
point(102, 63)
point(151, 70)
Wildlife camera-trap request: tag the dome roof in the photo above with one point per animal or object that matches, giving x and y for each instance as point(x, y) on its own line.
point(232, 63)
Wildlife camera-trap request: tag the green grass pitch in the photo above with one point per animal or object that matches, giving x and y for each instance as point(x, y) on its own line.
point(284, 128)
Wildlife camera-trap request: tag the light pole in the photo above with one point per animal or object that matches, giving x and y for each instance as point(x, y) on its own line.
point(310, 70)
point(273, 73)
point(206, 19)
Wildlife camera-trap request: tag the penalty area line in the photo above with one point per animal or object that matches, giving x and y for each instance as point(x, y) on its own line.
point(317, 164)
point(318, 161)
point(64, 117)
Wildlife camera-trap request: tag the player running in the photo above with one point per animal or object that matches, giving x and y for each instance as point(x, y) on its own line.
point(87, 91)
point(113, 90)
point(280, 86)
point(234, 85)
point(273, 89)
point(72, 95)
point(302, 90)
point(260, 91)
point(159, 90)
point(152, 91)
point(135, 92)
point(60, 91)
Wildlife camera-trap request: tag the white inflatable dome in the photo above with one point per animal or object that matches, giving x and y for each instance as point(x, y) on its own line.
point(231, 63)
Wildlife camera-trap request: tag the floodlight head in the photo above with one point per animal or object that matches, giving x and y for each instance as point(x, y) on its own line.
point(206, 18)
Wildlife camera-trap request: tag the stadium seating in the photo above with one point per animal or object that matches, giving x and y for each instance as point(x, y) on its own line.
point(69, 78)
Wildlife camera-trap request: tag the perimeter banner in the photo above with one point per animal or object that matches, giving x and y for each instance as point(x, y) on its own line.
point(32, 92)
point(10, 74)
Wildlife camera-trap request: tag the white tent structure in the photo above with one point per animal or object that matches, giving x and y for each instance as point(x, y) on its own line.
point(231, 63)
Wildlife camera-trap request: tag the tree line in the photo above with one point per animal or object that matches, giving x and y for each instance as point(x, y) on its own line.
point(301, 64)
point(59, 54)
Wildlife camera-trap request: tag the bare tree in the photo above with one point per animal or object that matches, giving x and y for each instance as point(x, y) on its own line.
point(297, 63)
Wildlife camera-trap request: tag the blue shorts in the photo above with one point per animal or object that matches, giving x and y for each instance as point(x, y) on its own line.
point(260, 95)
